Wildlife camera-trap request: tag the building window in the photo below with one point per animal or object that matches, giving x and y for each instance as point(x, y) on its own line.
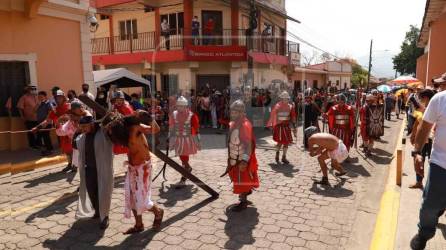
point(337, 82)
point(104, 17)
point(175, 21)
point(315, 84)
point(128, 29)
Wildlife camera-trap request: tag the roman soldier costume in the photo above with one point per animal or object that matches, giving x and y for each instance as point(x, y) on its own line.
point(341, 121)
point(282, 116)
point(242, 161)
point(184, 135)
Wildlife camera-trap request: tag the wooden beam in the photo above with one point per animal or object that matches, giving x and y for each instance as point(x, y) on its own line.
point(101, 111)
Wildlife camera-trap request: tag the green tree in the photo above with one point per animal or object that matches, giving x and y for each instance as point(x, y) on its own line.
point(359, 76)
point(406, 61)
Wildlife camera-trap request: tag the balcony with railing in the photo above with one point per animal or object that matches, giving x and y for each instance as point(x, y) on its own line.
point(175, 40)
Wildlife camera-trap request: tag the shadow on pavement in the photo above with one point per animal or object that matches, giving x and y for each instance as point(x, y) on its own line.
point(287, 170)
point(380, 156)
point(85, 231)
point(174, 195)
point(442, 227)
point(336, 191)
point(141, 240)
point(49, 178)
point(57, 207)
point(239, 227)
point(60, 205)
point(354, 170)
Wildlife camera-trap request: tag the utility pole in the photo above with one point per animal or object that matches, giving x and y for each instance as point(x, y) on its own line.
point(253, 15)
point(370, 65)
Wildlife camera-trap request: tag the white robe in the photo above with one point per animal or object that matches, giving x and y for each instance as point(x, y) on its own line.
point(104, 165)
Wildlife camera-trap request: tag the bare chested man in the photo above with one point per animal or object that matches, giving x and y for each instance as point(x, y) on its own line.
point(130, 132)
point(326, 146)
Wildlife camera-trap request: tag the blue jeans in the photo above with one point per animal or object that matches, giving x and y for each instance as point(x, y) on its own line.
point(434, 202)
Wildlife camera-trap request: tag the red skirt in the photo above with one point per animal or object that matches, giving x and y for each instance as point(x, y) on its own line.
point(244, 181)
point(65, 144)
point(282, 134)
point(185, 146)
point(344, 135)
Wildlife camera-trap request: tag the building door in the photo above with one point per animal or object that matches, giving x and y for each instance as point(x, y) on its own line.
point(14, 76)
point(169, 84)
point(218, 82)
point(152, 89)
point(212, 22)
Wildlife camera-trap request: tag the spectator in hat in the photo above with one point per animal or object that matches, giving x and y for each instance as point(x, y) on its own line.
point(434, 197)
point(27, 106)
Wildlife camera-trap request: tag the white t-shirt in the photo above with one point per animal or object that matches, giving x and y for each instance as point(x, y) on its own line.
point(436, 114)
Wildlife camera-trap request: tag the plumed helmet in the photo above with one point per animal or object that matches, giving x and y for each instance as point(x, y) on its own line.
point(238, 105)
point(60, 93)
point(284, 95)
point(309, 92)
point(182, 101)
point(342, 97)
point(118, 95)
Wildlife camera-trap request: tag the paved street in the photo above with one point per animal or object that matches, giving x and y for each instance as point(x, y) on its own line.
point(289, 211)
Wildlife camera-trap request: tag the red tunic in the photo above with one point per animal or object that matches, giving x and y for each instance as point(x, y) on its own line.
point(341, 121)
point(281, 116)
point(363, 116)
point(125, 109)
point(242, 146)
point(65, 142)
point(183, 127)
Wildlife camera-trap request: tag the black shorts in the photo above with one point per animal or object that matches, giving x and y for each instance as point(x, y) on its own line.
point(427, 148)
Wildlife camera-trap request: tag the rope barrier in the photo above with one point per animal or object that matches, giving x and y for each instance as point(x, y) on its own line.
point(25, 131)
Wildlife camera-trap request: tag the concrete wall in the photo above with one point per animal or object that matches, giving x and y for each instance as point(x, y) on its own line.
point(310, 78)
point(422, 68)
point(53, 40)
point(437, 51)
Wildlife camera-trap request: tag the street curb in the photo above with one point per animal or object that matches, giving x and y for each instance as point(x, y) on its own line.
point(31, 165)
point(386, 225)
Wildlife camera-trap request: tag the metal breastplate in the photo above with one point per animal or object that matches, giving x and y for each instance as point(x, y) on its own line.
point(283, 116)
point(235, 147)
point(184, 130)
point(342, 119)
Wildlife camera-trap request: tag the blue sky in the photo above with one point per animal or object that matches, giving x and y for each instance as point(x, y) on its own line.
point(345, 27)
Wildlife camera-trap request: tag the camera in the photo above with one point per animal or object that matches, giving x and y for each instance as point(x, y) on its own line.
point(93, 22)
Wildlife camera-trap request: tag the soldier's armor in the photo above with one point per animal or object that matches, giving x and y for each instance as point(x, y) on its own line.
point(184, 130)
point(236, 150)
point(284, 115)
point(342, 121)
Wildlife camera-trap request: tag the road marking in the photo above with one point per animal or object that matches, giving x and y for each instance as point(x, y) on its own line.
point(387, 219)
point(12, 212)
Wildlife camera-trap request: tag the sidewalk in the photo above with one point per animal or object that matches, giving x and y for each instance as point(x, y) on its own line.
point(410, 204)
point(27, 159)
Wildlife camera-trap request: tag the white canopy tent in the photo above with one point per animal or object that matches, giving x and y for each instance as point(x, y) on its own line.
point(120, 77)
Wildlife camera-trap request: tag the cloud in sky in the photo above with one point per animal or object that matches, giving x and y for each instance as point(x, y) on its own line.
point(345, 27)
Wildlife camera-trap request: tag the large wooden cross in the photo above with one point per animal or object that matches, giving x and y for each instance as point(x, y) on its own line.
point(101, 112)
